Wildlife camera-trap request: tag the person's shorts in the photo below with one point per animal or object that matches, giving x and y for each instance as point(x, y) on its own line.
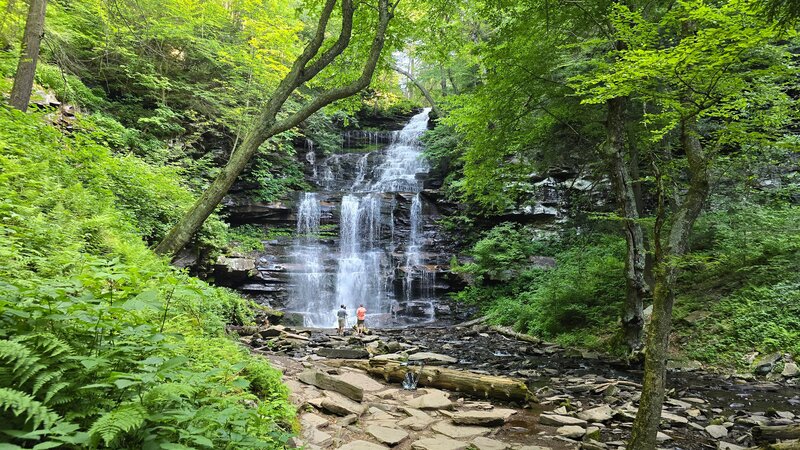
point(360, 322)
point(341, 323)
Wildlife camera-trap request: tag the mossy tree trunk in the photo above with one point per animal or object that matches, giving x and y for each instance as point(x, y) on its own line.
point(637, 288)
point(668, 250)
point(29, 55)
point(268, 125)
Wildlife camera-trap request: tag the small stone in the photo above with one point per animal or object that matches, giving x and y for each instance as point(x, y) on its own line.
point(674, 418)
point(571, 431)
point(717, 431)
point(721, 445)
point(661, 437)
point(386, 435)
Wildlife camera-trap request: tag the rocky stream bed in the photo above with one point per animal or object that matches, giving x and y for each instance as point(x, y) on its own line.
point(571, 399)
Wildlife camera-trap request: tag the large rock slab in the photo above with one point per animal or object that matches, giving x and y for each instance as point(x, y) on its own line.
point(459, 432)
point(717, 431)
point(557, 420)
point(365, 382)
point(492, 417)
point(343, 353)
point(439, 443)
point(340, 405)
point(416, 423)
point(600, 414)
point(362, 445)
point(386, 435)
point(431, 400)
point(432, 358)
point(334, 383)
point(674, 418)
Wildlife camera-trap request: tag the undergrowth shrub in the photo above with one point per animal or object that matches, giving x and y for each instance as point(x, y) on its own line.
point(103, 344)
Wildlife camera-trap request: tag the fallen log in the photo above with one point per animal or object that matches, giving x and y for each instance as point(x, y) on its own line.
point(765, 434)
point(470, 383)
point(785, 445)
point(508, 332)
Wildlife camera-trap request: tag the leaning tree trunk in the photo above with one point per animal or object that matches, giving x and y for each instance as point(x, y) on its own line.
point(29, 56)
point(636, 285)
point(425, 92)
point(645, 427)
point(267, 125)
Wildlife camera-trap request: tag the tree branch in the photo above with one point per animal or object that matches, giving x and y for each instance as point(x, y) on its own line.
point(419, 86)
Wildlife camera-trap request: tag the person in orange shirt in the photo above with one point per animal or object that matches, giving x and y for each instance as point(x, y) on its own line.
point(361, 315)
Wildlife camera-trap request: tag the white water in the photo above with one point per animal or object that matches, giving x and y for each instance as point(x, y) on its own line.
point(365, 270)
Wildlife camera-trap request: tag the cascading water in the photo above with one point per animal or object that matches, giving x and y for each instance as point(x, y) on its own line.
point(369, 252)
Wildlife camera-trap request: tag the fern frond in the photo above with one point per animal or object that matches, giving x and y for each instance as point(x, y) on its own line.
point(16, 355)
point(52, 396)
point(47, 345)
point(22, 376)
point(124, 419)
point(44, 379)
point(21, 403)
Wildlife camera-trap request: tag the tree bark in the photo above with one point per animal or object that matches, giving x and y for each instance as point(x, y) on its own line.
point(645, 427)
point(267, 124)
point(421, 88)
point(637, 288)
point(29, 55)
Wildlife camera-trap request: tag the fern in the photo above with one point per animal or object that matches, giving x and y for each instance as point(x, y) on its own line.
point(21, 403)
point(124, 419)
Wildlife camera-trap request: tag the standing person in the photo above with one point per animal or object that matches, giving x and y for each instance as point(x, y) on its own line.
point(361, 315)
point(342, 315)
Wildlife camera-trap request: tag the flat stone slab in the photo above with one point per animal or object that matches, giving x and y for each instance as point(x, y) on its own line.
point(362, 445)
point(334, 383)
point(386, 435)
point(432, 358)
point(364, 381)
point(343, 353)
point(431, 400)
point(484, 443)
point(439, 443)
point(674, 418)
point(311, 420)
point(560, 421)
point(599, 414)
point(492, 417)
point(571, 431)
point(459, 432)
point(717, 431)
point(416, 423)
point(340, 405)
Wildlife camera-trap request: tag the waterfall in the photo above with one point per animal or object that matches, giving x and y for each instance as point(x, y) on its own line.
point(367, 255)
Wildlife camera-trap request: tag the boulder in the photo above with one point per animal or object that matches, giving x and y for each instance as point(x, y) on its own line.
point(343, 353)
point(362, 445)
point(600, 414)
point(386, 435)
point(332, 383)
point(559, 421)
point(790, 370)
point(432, 358)
point(571, 431)
point(431, 400)
point(439, 443)
point(494, 417)
point(459, 432)
point(765, 364)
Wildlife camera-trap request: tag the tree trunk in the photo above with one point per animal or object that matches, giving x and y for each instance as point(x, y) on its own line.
point(267, 125)
point(645, 427)
point(767, 434)
point(452, 81)
point(29, 56)
point(475, 384)
point(421, 88)
point(443, 80)
point(636, 285)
